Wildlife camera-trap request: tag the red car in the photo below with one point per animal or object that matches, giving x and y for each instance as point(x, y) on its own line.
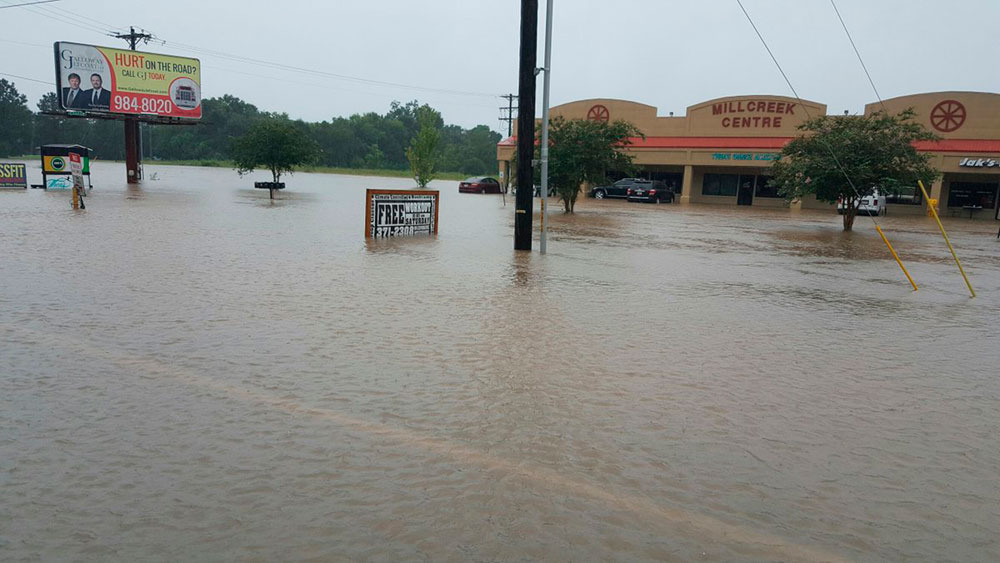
point(479, 185)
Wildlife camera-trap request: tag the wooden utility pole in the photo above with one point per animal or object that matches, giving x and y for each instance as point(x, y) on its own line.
point(526, 126)
point(507, 113)
point(133, 140)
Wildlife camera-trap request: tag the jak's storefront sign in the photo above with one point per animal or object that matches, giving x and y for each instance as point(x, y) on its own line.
point(972, 162)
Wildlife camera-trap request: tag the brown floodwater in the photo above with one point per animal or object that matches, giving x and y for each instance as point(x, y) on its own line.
point(190, 371)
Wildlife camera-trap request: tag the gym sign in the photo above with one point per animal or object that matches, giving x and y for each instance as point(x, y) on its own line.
point(969, 162)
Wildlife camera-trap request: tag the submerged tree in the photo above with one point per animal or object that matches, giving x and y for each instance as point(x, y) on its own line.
point(846, 158)
point(423, 150)
point(583, 151)
point(274, 144)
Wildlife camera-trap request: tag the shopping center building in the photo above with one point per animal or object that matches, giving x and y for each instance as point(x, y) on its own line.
point(720, 151)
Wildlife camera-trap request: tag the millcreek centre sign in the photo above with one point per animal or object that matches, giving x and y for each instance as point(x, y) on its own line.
point(768, 156)
point(753, 114)
point(393, 213)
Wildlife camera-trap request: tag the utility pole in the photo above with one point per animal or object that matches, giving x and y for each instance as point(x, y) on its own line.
point(526, 125)
point(133, 139)
point(509, 115)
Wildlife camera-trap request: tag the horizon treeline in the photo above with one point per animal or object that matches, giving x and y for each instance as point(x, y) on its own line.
point(370, 140)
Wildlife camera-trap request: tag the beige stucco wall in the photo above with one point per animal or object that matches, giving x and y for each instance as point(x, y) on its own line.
point(981, 111)
point(772, 118)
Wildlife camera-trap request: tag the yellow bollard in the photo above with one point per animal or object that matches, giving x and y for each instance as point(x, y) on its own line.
point(945, 235)
point(896, 256)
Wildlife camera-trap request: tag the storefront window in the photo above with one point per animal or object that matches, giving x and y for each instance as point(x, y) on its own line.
point(720, 184)
point(905, 196)
point(961, 194)
point(765, 188)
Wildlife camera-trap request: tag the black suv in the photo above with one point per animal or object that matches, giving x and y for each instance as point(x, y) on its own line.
point(618, 189)
point(635, 189)
point(653, 191)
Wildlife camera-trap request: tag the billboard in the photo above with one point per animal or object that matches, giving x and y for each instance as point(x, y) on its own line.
point(393, 213)
point(108, 80)
point(13, 175)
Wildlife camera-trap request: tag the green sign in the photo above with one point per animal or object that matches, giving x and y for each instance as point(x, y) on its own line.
point(766, 156)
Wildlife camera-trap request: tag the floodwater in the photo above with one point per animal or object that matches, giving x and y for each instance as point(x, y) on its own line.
point(192, 372)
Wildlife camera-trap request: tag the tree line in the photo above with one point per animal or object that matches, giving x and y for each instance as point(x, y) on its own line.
point(369, 140)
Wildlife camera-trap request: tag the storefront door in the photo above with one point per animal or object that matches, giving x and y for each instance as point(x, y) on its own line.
point(744, 196)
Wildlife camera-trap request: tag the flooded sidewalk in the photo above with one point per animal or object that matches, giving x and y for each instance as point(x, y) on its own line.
point(194, 372)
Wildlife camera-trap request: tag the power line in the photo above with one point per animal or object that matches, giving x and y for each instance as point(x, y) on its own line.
point(249, 60)
point(239, 58)
point(49, 82)
point(858, 53)
point(805, 109)
point(27, 4)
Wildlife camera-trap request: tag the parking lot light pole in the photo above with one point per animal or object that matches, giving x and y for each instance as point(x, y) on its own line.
point(545, 125)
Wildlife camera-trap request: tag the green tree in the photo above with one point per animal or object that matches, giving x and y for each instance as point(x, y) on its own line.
point(423, 150)
point(583, 151)
point(874, 151)
point(274, 144)
point(15, 121)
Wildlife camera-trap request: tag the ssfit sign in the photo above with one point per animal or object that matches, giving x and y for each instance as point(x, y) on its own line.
point(394, 213)
point(13, 176)
point(107, 80)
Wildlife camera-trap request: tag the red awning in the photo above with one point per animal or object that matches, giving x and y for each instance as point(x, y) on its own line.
point(776, 143)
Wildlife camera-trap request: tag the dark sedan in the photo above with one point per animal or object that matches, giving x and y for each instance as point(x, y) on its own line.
point(480, 185)
point(654, 192)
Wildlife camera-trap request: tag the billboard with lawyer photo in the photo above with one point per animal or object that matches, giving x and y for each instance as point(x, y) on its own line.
point(108, 80)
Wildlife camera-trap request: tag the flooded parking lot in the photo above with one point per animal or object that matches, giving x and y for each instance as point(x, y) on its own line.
point(193, 372)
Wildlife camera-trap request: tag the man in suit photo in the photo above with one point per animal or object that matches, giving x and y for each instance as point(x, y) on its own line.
point(97, 97)
point(73, 97)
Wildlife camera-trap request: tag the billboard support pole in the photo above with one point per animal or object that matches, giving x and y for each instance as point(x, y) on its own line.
point(133, 164)
point(133, 140)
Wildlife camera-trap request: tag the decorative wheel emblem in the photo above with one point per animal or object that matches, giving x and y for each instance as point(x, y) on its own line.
point(599, 113)
point(948, 116)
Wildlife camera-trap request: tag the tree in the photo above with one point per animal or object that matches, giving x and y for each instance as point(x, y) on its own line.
point(423, 149)
point(874, 151)
point(15, 121)
point(275, 144)
point(583, 151)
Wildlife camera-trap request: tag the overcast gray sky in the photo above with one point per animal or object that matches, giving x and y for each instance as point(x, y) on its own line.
point(464, 53)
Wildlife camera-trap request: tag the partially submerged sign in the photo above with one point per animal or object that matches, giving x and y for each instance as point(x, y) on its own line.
point(393, 213)
point(76, 170)
point(56, 162)
point(13, 175)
